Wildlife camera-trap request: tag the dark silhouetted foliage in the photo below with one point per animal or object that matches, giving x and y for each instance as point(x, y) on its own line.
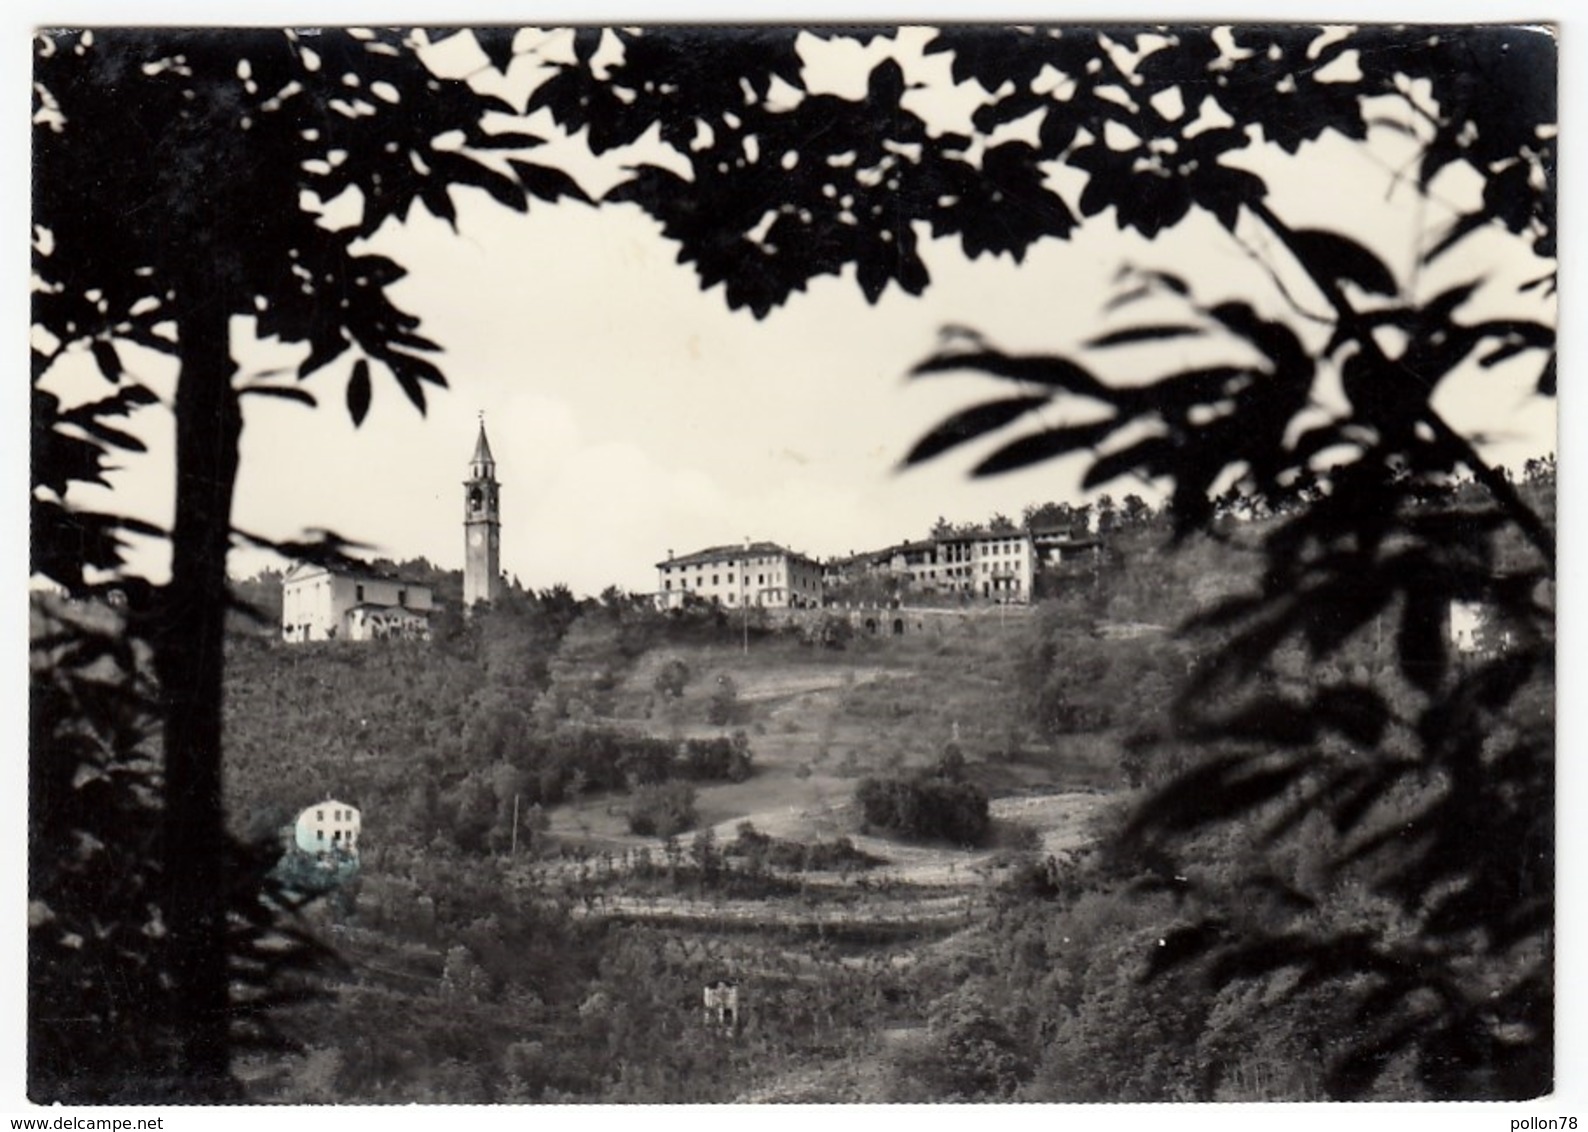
point(1437, 778)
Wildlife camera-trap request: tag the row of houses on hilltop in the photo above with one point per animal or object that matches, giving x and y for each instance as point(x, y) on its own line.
point(999, 566)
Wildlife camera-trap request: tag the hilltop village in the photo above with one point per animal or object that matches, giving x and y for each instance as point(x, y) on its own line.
point(963, 566)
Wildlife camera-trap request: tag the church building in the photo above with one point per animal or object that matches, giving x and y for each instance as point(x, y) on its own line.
point(349, 603)
point(323, 603)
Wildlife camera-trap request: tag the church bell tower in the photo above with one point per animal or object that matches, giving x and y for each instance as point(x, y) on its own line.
point(482, 527)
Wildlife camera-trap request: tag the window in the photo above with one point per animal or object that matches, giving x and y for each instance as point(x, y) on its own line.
point(358, 593)
point(667, 585)
point(402, 597)
point(319, 835)
point(319, 815)
point(714, 579)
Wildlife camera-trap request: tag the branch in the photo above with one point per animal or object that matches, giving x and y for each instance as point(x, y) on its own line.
point(1500, 489)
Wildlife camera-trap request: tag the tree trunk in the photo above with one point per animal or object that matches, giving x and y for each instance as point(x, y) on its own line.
point(189, 655)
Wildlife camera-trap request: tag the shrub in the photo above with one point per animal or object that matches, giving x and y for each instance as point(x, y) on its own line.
point(662, 809)
point(672, 679)
point(927, 807)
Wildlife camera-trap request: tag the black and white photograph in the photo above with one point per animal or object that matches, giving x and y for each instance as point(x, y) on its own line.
point(791, 563)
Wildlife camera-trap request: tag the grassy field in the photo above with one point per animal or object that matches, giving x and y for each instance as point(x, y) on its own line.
point(820, 720)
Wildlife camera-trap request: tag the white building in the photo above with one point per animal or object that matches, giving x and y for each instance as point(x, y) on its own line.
point(996, 565)
point(1466, 623)
point(1005, 563)
point(328, 827)
point(758, 575)
point(322, 604)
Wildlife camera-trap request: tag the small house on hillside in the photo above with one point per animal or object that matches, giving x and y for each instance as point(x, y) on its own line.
point(320, 603)
point(328, 827)
point(1059, 545)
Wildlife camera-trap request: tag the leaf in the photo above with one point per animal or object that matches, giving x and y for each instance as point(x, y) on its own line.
point(971, 423)
point(1356, 1071)
point(547, 183)
point(1459, 230)
point(1358, 713)
point(1262, 957)
point(1041, 446)
point(108, 359)
point(1036, 369)
point(1148, 456)
point(284, 392)
point(1173, 282)
point(1224, 787)
point(497, 43)
point(462, 170)
point(358, 391)
point(1144, 334)
point(1184, 945)
point(1421, 639)
point(505, 139)
point(1337, 257)
point(322, 351)
point(1269, 720)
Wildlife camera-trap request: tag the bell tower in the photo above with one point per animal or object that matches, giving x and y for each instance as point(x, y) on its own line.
point(482, 526)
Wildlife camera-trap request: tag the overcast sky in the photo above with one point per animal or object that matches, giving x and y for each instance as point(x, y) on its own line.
point(630, 413)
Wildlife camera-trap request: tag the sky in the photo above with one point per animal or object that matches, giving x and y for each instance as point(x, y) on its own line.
point(631, 414)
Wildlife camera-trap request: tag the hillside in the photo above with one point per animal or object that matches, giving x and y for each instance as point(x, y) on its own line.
point(694, 806)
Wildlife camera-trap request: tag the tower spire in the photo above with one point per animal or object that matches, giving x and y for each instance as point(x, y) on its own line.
point(482, 523)
point(482, 465)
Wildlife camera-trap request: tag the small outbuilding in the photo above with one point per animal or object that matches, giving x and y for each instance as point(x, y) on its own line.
point(721, 1001)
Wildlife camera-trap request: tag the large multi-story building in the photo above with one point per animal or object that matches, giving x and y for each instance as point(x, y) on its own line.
point(754, 575)
point(996, 565)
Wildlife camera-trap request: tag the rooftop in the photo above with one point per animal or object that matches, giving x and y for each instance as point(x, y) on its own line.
point(482, 448)
point(733, 552)
point(357, 571)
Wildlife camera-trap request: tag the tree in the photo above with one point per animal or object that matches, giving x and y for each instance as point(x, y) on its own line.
point(1137, 512)
point(257, 132)
point(1440, 797)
